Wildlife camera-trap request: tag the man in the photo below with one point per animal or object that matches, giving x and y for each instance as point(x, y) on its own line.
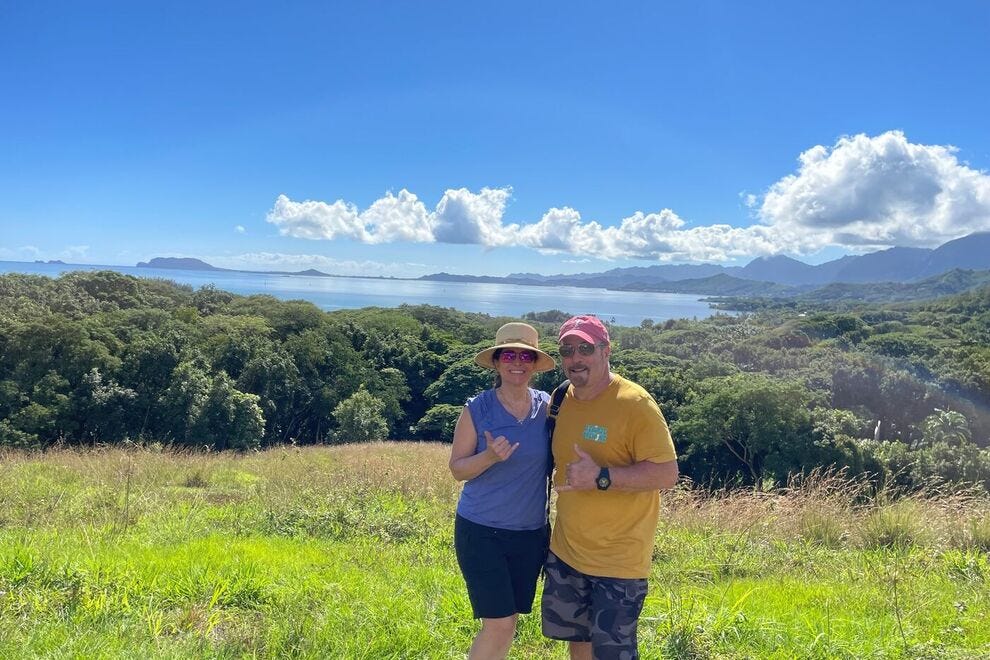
point(614, 454)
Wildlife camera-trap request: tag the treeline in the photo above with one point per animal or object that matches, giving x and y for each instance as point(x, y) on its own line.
point(900, 392)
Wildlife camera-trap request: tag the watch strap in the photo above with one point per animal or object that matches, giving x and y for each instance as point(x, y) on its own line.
point(604, 479)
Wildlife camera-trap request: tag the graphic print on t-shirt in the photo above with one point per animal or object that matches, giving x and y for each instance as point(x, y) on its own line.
point(595, 433)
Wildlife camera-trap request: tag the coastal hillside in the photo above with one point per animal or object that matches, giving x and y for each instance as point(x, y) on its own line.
point(898, 392)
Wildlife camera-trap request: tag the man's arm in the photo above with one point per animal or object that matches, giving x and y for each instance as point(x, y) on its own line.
point(645, 475)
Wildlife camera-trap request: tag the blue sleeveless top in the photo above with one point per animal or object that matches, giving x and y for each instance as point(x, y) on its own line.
point(511, 494)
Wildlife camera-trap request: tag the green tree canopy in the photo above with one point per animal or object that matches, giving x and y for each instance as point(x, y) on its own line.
point(360, 418)
point(748, 428)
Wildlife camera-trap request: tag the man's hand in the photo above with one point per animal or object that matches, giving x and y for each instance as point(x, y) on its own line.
point(582, 474)
point(498, 449)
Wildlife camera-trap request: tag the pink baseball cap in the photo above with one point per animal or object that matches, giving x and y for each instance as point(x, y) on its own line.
point(587, 327)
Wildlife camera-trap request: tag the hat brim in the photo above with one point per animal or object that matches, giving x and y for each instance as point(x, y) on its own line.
point(543, 361)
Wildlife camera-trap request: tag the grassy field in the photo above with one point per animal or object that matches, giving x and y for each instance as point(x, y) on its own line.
point(346, 552)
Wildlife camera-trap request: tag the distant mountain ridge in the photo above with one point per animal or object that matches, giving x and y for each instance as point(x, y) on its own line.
point(969, 252)
point(946, 269)
point(898, 264)
point(949, 283)
point(718, 285)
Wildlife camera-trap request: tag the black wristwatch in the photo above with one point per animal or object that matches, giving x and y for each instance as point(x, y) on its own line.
point(603, 481)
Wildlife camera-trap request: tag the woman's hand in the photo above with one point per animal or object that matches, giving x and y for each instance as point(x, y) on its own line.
point(498, 449)
point(466, 462)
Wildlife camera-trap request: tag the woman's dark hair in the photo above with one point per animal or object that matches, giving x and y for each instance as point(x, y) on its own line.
point(498, 376)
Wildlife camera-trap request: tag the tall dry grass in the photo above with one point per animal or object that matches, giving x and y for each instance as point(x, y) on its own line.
point(117, 485)
point(832, 509)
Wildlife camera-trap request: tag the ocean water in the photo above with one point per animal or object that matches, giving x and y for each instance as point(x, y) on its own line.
point(332, 293)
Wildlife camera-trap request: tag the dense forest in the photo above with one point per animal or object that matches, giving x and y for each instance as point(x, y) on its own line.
point(897, 391)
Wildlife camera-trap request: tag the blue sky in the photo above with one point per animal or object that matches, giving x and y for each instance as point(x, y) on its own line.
point(409, 138)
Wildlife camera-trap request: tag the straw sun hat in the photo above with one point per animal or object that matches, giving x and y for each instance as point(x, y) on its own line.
point(519, 336)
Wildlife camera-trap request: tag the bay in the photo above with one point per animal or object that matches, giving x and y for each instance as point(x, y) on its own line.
point(627, 308)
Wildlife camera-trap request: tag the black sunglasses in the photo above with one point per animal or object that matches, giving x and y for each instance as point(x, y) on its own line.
point(584, 348)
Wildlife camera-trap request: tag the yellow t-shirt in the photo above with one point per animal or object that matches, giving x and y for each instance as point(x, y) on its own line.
point(609, 533)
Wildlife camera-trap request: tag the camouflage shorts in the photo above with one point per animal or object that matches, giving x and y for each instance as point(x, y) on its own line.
point(584, 608)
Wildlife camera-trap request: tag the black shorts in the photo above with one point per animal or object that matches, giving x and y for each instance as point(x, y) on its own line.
point(500, 567)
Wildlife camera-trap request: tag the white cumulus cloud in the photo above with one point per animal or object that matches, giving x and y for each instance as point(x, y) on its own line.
point(317, 220)
point(862, 192)
point(869, 192)
point(465, 217)
point(397, 218)
point(558, 229)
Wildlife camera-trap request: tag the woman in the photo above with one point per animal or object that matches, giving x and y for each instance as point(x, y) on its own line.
point(500, 450)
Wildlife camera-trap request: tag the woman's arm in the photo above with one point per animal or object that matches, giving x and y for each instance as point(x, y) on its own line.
point(467, 463)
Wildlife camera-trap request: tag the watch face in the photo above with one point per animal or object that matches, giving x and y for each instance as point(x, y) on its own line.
point(604, 482)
